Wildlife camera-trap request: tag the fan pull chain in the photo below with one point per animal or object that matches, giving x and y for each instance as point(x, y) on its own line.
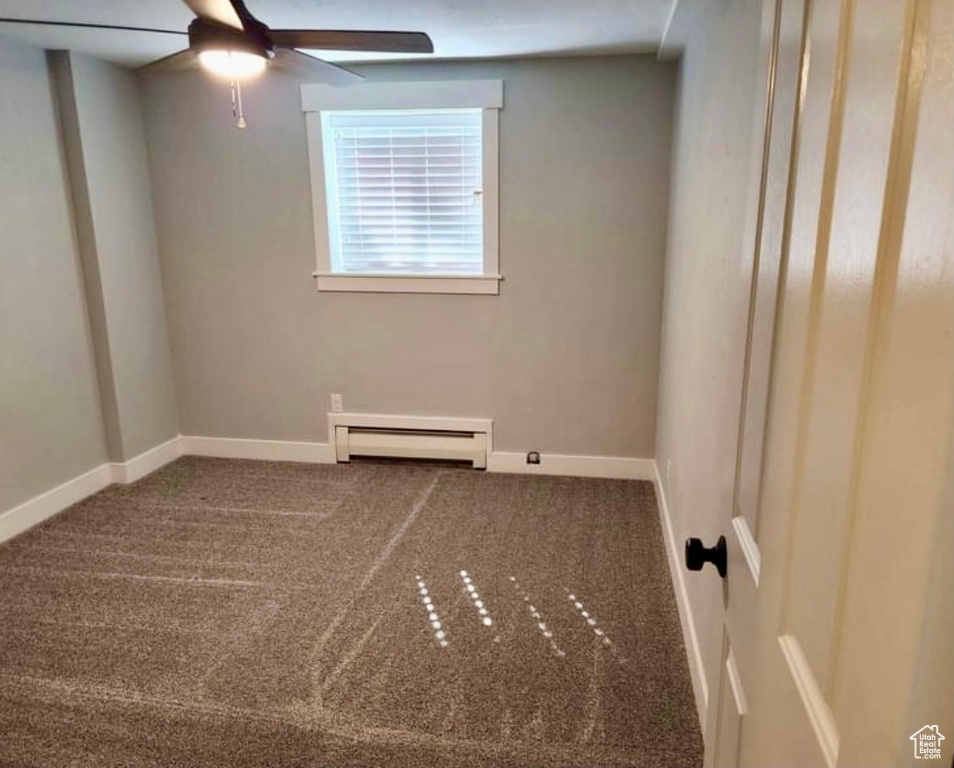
point(237, 112)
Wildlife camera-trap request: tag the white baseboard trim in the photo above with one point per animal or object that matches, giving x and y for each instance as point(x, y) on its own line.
point(34, 511)
point(147, 461)
point(697, 672)
point(499, 461)
point(263, 450)
point(610, 467)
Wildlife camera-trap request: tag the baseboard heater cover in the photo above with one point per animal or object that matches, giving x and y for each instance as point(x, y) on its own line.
point(386, 442)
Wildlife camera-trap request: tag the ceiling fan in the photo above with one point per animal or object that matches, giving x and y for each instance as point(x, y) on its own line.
point(226, 39)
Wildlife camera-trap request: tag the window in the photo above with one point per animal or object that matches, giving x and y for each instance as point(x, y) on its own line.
point(403, 192)
point(404, 180)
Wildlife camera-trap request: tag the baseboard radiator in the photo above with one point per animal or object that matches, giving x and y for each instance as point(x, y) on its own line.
point(397, 443)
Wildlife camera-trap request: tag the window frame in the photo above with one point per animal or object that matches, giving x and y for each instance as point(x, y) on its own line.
point(486, 95)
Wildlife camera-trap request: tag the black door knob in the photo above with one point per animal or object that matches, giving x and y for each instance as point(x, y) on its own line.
point(697, 555)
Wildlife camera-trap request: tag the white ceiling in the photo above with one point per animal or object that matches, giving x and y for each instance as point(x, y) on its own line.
point(459, 28)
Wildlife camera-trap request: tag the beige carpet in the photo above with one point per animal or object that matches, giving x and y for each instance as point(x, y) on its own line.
point(227, 612)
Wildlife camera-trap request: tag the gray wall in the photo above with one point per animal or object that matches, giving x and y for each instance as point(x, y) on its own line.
point(706, 295)
point(565, 360)
point(106, 149)
point(50, 423)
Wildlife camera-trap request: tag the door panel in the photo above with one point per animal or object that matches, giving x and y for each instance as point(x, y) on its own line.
point(781, 44)
point(857, 469)
point(835, 365)
point(781, 57)
point(732, 707)
point(904, 462)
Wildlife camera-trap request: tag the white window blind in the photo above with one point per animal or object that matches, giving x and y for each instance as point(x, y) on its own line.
point(404, 191)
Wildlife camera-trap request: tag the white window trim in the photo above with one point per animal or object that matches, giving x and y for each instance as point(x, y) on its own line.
point(486, 95)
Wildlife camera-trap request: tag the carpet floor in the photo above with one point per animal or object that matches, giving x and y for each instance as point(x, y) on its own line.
point(227, 612)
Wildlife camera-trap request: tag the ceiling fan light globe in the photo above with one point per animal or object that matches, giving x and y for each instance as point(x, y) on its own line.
point(232, 64)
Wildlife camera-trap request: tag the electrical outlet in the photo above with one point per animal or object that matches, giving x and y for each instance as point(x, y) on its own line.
point(533, 457)
point(337, 403)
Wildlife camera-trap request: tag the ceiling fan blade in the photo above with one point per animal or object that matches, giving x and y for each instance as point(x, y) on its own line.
point(92, 26)
point(178, 60)
point(352, 40)
point(314, 70)
point(221, 11)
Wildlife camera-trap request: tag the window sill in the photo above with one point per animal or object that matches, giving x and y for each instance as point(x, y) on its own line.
point(488, 285)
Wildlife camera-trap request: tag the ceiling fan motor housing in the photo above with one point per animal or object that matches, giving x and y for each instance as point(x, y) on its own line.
point(208, 35)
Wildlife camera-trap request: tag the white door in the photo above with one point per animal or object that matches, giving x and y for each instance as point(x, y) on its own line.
point(839, 642)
